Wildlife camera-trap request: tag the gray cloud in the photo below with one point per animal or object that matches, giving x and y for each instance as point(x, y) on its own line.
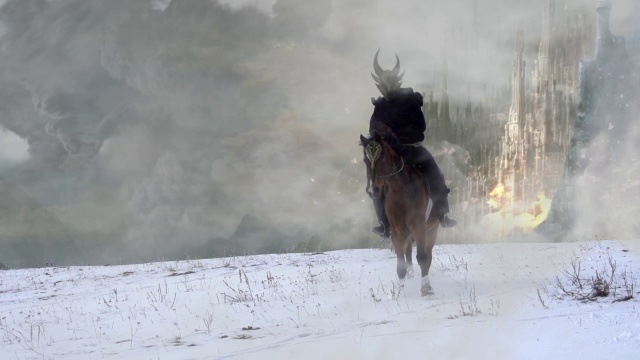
point(163, 124)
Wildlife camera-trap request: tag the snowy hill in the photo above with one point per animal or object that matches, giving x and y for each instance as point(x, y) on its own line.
point(499, 301)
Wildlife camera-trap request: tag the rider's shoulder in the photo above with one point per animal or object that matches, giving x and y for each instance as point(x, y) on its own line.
point(405, 91)
point(409, 93)
point(402, 95)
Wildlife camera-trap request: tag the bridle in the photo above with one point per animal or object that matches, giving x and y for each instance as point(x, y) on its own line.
point(393, 173)
point(372, 151)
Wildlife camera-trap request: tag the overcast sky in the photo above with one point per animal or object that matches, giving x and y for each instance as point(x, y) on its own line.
point(161, 120)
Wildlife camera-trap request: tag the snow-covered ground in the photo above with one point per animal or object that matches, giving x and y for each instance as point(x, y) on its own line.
point(497, 301)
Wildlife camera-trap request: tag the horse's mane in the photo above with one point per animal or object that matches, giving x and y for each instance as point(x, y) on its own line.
point(393, 141)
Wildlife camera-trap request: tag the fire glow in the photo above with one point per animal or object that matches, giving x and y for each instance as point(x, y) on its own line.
point(510, 216)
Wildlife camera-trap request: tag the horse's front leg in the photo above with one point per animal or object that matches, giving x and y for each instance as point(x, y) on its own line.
point(401, 267)
point(407, 256)
point(400, 241)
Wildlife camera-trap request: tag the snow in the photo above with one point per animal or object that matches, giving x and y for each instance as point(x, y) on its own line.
point(488, 304)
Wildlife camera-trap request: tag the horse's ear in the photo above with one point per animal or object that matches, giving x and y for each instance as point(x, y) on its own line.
point(363, 140)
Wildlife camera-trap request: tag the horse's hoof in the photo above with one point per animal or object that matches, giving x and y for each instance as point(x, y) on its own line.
point(402, 271)
point(425, 288)
point(410, 271)
point(426, 291)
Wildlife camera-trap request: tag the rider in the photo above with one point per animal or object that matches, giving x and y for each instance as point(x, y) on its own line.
point(400, 110)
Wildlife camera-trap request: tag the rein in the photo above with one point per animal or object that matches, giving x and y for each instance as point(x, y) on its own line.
point(395, 172)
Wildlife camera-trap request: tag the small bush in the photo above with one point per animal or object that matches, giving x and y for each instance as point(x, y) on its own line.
point(605, 281)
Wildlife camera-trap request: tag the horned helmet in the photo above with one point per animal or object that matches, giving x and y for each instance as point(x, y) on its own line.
point(387, 81)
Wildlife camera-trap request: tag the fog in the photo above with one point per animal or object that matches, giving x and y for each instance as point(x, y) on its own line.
point(182, 128)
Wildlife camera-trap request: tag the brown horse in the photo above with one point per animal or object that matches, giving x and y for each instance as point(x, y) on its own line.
point(407, 203)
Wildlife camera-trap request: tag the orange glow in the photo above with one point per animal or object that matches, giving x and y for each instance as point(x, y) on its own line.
point(512, 217)
point(498, 191)
point(498, 197)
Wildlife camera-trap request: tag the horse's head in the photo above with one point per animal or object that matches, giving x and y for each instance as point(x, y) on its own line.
point(382, 160)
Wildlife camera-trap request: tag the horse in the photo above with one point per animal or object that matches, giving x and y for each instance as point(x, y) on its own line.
point(407, 203)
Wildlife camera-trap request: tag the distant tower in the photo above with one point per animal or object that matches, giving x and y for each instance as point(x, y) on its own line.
point(444, 100)
point(543, 69)
point(468, 109)
point(512, 168)
point(445, 116)
point(516, 113)
point(604, 38)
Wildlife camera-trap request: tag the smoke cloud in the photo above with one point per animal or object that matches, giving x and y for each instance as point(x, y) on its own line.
point(181, 128)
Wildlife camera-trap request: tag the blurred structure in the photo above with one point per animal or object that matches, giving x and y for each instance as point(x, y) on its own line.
point(516, 137)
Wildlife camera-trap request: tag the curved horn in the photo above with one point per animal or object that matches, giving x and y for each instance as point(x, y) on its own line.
point(396, 69)
point(376, 66)
point(400, 76)
point(375, 78)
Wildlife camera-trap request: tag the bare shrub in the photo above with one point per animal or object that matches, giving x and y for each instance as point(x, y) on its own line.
point(606, 280)
point(243, 293)
point(470, 307)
